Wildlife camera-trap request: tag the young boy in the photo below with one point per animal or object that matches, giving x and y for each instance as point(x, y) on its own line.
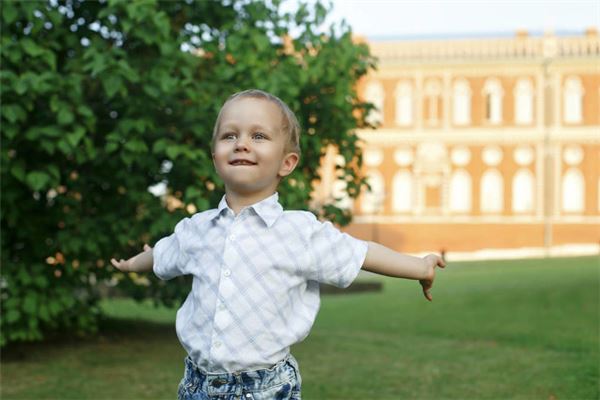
point(256, 267)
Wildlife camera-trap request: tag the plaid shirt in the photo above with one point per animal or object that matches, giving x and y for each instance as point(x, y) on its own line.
point(255, 289)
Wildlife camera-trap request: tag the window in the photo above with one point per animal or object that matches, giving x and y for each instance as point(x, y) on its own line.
point(493, 93)
point(522, 191)
point(523, 102)
point(403, 191)
point(374, 94)
point(404, 104)
point(573, 191)
point(432, 99)
point(372, 201)
point(492, 192)
point(340, 194)
point(572, 100)
point(461, 111)
point(460, 191)
point(339, 187)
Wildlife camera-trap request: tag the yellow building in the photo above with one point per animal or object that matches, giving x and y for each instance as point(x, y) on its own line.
point(485, 147)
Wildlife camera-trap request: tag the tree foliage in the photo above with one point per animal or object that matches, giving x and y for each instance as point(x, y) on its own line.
point(103, 99)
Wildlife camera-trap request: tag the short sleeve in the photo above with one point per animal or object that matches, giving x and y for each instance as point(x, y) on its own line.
point(337, 256)
point(170, 258)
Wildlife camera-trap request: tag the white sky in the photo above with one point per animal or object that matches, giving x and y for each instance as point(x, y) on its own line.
point(380, 19)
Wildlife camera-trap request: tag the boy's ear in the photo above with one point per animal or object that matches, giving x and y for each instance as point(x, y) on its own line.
point(290, 160)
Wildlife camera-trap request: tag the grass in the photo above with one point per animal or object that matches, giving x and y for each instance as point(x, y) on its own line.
point(495, 330)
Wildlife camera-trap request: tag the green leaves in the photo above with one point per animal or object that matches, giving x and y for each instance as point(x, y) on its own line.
point(37, 180)
point(100, 102)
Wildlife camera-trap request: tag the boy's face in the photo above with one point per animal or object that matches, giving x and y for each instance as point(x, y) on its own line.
point(249, 147)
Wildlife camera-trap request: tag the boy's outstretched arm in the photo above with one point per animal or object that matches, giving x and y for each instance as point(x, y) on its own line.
point(384, 261)
point(138, 263)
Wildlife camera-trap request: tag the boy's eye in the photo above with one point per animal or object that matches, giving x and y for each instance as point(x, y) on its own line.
point(228, 136)
point(259, 136)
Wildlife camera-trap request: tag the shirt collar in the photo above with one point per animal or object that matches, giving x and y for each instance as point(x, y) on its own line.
point(267, 209)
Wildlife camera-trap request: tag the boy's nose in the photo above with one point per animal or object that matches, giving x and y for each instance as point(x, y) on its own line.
point(241, 144)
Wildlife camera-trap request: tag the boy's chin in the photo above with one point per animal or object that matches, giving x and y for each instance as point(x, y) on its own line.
point(245, 189)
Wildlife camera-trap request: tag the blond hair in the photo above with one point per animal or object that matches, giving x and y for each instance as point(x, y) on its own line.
point(289, 126)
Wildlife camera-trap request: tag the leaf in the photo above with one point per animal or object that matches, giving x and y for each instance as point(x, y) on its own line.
point(30, 303)
point(21, 86)
point(111, 84)
point(151, 91)
point(37, 180)
point(85, 111)
point(31, 47)
point(9, 13)
point(159, 146)
point(13, 112)
point(74, 137)
point(173, 151)
point(136, 145)
point(40, 281)
point(65, 116)
point(12, 315)
point(44, 312)
point(111, 147)
point(18, 171)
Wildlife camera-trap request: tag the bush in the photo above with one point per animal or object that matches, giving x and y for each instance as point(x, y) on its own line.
point(102, 100)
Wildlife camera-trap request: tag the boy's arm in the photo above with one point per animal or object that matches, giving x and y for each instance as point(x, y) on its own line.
point(138, 263)
point(384, 261)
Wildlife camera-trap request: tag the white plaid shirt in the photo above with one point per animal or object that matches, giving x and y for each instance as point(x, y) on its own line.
point(255, 290)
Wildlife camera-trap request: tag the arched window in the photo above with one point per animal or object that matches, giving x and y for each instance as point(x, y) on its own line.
point(404, 104)
point(432, 99)
point(522, 191)
point(572, 100)
point(374, 94)
point(461, 110)
point(460, 191)
point(403, 191)
point(340, 194)
point(372, 201)
point(492, 91)
point(492, 192)
point(339, 187)
point(523, 102)
point(573, 197)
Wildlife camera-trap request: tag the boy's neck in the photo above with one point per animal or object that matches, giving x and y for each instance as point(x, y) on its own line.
point(237, 201)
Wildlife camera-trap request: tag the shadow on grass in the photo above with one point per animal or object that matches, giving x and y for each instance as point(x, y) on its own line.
point(111, 332)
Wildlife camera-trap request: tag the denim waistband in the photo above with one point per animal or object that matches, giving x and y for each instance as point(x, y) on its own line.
point(243, 381)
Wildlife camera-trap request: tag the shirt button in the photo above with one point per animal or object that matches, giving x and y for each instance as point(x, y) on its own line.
point(232, 237)
point(221, 306)
point(227, 272)
point(217, 344)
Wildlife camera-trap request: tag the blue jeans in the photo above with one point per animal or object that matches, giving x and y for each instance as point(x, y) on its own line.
point(280, 382)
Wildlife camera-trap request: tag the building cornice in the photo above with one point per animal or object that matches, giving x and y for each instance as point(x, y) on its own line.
point(475, 135)
point(536, 49)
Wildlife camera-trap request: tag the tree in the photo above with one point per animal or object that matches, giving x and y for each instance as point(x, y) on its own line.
point(102, 100)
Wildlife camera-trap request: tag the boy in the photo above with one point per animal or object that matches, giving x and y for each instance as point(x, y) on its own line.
point(256, 267)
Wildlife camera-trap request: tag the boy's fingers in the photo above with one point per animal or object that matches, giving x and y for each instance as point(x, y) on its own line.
point(117, 264)
point(427, 289)
point(427, 294)
point(147, 247)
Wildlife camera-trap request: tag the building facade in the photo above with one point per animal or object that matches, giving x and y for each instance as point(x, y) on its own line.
point(484, 147)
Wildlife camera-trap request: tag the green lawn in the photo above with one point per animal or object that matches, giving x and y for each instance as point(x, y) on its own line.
point(495, 330)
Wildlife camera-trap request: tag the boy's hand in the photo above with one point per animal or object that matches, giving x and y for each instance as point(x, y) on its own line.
point(128, 265)
point(431, 261)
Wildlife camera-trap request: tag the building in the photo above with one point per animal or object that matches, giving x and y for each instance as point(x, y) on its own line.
point(485, 147)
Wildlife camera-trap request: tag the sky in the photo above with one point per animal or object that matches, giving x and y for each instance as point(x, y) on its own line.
point(381, 19)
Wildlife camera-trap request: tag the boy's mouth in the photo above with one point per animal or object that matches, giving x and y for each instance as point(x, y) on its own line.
point(241, 162)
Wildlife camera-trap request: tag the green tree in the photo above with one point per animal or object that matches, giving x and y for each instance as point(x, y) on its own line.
point(103, 99)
